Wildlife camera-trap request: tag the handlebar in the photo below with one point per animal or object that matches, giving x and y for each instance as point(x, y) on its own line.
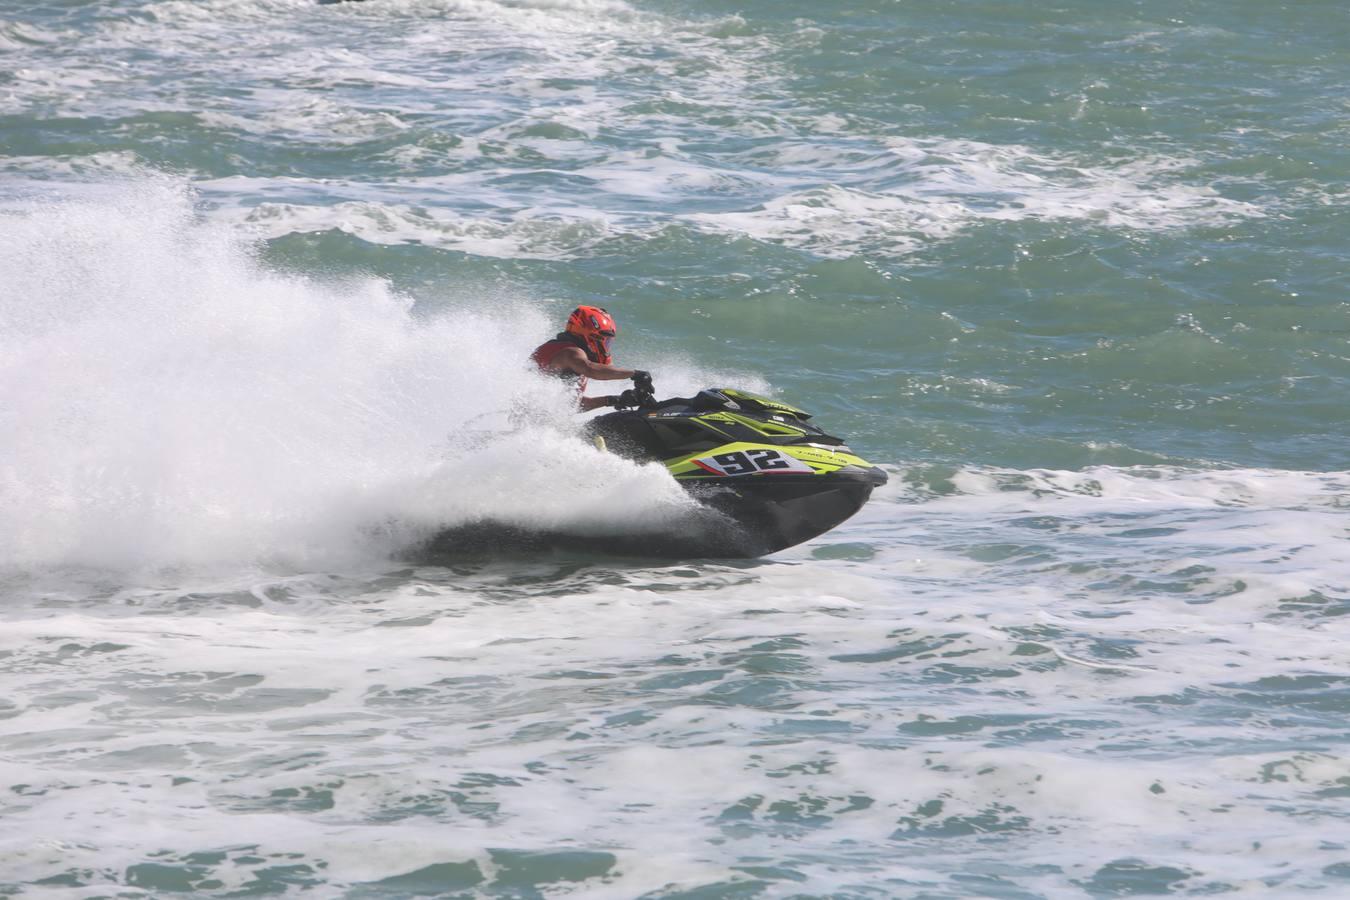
point(641, 395)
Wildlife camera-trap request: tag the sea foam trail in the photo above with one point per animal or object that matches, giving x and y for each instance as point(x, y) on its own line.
point(170, 400)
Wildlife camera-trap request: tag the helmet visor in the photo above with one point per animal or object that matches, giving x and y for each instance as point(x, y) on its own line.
point(602, 342)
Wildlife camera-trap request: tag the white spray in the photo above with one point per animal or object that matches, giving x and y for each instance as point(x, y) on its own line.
point(165, 399)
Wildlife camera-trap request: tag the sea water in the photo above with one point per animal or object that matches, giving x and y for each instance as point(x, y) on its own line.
point(1075, 274)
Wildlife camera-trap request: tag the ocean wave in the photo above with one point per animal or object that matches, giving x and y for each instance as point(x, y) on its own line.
point(25, 35)
point(524, 234)
point(935, 189)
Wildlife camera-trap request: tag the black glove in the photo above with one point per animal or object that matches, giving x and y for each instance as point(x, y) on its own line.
point(628, 398)
point(642, 380)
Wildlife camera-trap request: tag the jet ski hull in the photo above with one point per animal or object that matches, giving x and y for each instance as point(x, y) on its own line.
point(764, 479)
point(772, 514)
point(732, 521)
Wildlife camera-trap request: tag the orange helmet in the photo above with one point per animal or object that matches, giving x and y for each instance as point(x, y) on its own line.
point(596, 328)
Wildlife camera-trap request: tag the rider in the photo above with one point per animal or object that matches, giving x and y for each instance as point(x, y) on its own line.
point(581, 352)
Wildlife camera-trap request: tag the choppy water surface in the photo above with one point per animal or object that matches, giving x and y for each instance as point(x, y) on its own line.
point(1075, 274)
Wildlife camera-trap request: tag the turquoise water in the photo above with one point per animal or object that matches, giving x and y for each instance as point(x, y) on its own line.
point(1073, 273)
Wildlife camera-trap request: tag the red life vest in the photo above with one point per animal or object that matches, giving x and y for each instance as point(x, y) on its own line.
point(544, 353)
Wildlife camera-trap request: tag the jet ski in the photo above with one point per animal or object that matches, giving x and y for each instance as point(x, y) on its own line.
point(764, 477)
point(775, 478)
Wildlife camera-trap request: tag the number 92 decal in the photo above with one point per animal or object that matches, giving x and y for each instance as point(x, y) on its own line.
point(752, 462)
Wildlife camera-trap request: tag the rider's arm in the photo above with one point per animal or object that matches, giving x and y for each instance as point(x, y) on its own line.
point(572, 359)
point(590, 403)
